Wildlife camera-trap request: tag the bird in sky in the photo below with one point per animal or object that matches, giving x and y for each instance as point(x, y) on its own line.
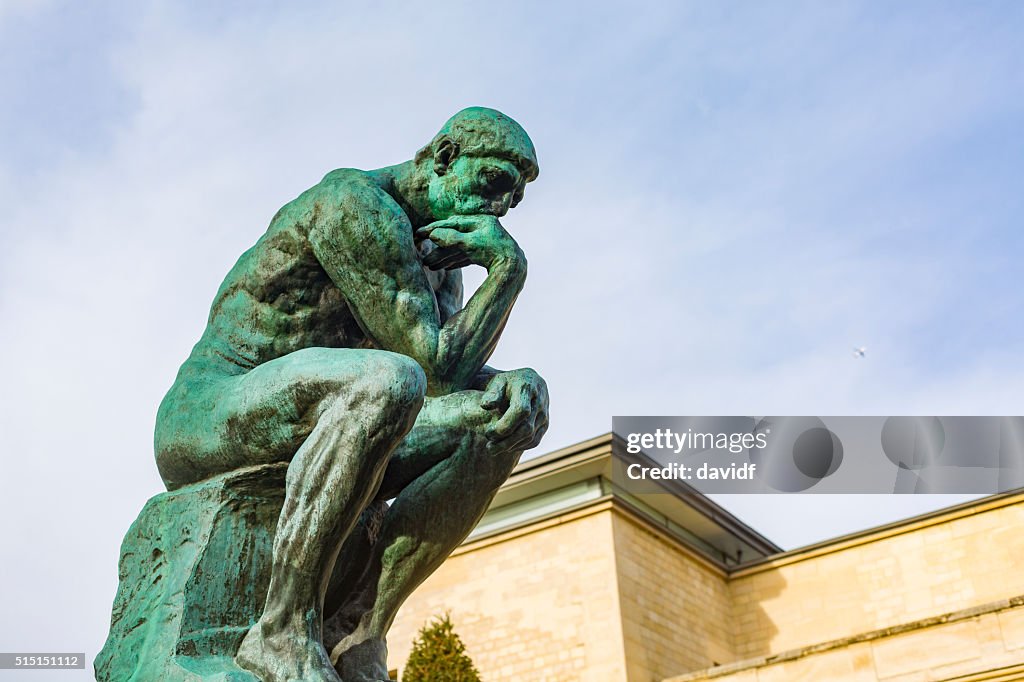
point(859, 352)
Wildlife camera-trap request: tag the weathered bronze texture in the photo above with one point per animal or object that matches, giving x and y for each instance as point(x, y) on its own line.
point(340, 369)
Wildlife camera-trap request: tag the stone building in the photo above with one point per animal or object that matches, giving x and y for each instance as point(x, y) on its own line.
point(568, 577)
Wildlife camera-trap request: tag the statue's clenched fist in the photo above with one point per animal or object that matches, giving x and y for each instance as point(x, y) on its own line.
point(519, 400)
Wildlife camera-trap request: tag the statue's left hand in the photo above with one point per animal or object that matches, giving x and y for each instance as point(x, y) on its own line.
point(520, 398)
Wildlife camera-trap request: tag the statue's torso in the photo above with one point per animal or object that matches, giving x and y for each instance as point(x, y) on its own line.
point(278, 299)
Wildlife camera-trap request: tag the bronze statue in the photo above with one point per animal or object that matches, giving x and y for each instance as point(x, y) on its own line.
point(340, 346)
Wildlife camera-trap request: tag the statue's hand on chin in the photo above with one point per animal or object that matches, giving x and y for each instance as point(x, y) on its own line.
point(469, 240)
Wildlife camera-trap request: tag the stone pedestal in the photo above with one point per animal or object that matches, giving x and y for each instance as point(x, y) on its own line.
point(193, 576)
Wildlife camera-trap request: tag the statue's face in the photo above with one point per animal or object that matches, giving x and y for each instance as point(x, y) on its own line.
point(474, 185)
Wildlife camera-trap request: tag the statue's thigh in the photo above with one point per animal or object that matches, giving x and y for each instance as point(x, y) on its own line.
point(212, 424)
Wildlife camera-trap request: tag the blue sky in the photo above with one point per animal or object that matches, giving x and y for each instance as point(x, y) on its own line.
point(732, 196)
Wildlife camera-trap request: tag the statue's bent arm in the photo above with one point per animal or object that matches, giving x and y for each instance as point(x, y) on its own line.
point(367, 249)
point(449, 302)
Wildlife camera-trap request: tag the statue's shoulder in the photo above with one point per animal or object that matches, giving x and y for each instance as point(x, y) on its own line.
point(354, 191)
point(350, 182)
point(345, 176)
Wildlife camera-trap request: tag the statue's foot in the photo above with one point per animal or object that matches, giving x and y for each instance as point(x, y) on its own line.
point(364, 662)
point(284, 657)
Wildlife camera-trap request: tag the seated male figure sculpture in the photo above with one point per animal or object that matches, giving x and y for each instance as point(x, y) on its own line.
point(339, 343)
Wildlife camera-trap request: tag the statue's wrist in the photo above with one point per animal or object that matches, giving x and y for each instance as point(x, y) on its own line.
point(510, 264)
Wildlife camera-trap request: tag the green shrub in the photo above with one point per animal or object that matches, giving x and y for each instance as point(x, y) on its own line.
point(438, 655)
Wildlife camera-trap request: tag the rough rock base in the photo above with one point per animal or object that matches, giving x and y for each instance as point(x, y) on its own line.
point(193, 577)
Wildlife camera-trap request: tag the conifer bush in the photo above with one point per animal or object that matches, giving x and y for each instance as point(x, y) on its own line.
point(438, 655)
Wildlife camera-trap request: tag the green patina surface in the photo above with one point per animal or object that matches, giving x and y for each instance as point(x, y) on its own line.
point(193, 573)
point(340, 368)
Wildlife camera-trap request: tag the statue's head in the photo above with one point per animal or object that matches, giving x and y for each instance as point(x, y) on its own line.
point(478, 163)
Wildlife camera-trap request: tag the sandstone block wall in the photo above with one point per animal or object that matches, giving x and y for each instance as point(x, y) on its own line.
point(918, 571)
point(600, 594)
point(538, 606)
point(674, 606)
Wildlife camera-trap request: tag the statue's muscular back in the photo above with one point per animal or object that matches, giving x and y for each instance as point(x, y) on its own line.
point(276, 304)
point(278, 299)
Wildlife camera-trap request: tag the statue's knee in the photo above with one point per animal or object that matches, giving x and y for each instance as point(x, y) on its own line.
point(383, 393)
point(397, 383)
